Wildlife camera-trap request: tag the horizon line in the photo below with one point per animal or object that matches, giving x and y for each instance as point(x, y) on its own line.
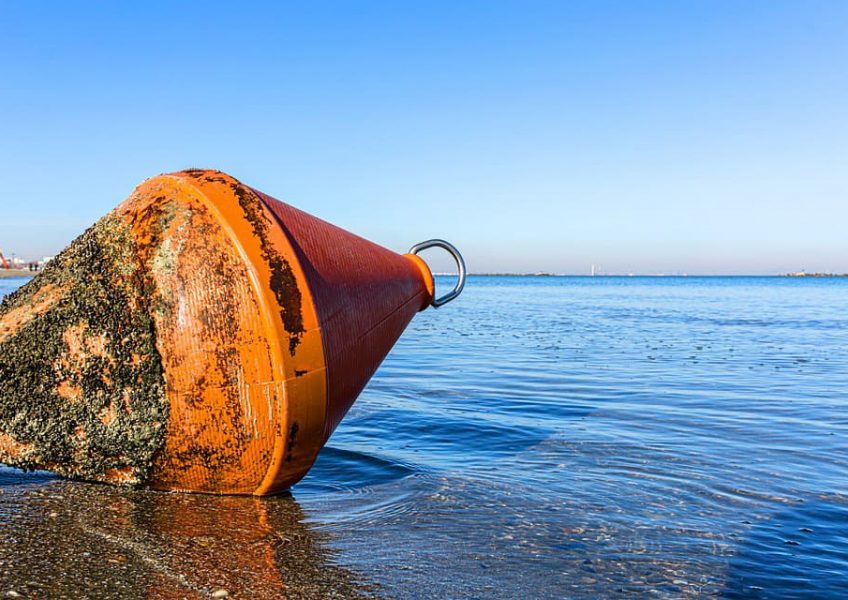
point(797, 275)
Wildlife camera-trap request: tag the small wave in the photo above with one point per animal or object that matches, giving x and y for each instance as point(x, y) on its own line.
point(351, 471)
point(15, 477)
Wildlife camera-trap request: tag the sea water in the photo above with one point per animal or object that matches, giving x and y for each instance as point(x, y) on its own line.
point(558, 437)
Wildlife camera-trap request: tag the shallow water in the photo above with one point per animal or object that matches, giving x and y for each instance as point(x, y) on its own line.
point(546, 437)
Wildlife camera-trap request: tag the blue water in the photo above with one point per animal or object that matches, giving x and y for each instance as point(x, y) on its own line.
point(555, 437)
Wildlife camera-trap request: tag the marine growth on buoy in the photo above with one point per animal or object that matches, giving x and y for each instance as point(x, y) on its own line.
point(202, 336)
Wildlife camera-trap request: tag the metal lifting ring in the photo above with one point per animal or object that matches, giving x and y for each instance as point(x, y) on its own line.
point(460, 265)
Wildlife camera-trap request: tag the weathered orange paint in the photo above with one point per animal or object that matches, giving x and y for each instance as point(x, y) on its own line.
point(255, 422)
point(365, 296)
point(268, 322)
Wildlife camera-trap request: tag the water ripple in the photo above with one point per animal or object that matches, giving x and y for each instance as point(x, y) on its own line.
point(584, 438)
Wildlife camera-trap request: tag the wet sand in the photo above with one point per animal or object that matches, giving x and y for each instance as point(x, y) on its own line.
point(67, 539)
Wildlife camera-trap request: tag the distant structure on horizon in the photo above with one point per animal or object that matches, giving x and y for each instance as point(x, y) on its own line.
point(803, 273)
point(17, 263)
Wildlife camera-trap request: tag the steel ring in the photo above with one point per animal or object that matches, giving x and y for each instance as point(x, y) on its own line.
point(460, 265)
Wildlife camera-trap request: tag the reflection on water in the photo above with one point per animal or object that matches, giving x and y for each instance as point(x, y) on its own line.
point(540, 437)
point(64, 539)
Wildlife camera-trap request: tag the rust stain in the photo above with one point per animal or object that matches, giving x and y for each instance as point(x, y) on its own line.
point(210, 338)
point(291, 441)
point(283, 280)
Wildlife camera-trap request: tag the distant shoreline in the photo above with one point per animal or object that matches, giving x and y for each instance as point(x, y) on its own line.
point(658, 275)
point(803, 274)
point(10, 273)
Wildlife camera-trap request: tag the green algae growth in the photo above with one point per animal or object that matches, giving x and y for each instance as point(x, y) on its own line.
point(82, 391)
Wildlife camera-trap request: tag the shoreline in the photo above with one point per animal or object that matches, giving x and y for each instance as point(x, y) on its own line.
point(656, 276)
point(11, 273)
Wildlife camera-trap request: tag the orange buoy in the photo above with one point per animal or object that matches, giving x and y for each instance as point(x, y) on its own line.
point(202, 336)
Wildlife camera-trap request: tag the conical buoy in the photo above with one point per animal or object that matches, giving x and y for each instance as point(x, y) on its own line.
point(202, 336)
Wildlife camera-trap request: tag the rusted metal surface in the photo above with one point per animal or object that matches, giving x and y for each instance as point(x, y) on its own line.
point(231, 330)
point(202, 337)
point(365, 296)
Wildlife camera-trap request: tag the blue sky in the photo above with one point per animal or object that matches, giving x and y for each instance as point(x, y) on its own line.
point(687, 136)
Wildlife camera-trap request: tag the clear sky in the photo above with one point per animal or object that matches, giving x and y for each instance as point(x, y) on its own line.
point(682, 136)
